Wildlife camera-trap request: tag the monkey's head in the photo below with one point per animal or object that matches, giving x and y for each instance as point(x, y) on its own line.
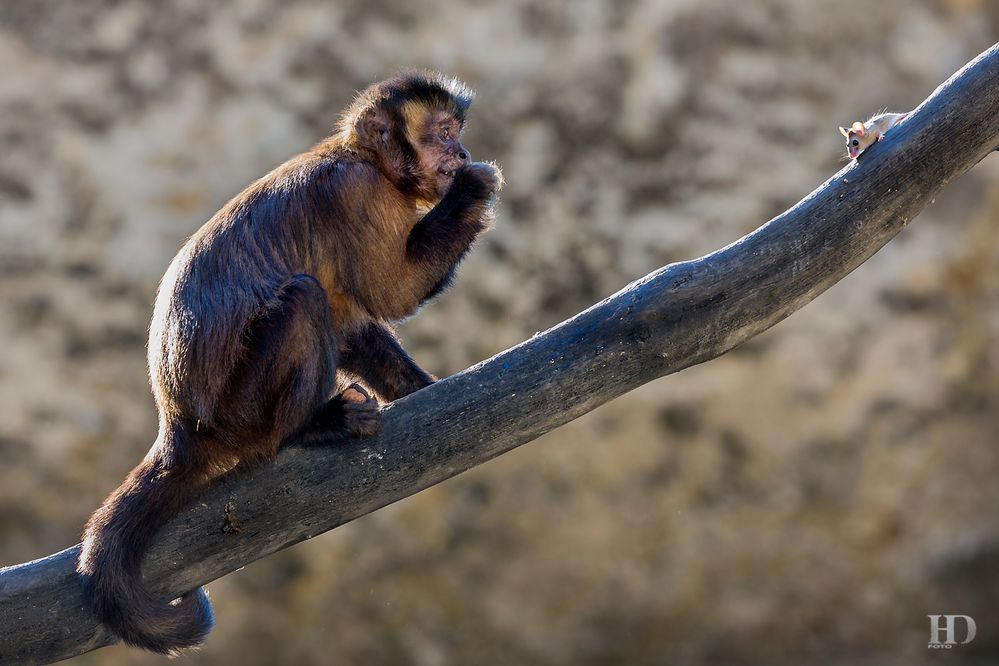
point(857, 139)
point(412, 123)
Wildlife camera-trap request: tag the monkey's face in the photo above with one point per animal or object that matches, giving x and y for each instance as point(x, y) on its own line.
point(438, 145)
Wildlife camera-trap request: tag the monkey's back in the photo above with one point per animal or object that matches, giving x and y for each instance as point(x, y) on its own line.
point(217, 284)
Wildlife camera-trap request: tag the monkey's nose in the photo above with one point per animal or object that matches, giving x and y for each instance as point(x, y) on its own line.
point(462, 155)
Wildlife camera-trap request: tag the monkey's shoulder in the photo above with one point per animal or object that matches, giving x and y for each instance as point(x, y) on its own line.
point(326, 174)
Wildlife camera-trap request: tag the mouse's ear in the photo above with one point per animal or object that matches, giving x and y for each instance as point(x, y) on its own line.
point(858, 128)
point(844, 131)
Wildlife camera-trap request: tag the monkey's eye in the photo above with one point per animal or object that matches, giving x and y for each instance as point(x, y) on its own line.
point(445, 133)
point(854, 143)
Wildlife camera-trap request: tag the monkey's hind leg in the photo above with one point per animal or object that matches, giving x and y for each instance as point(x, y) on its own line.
point(286, 379)
point(287, 374)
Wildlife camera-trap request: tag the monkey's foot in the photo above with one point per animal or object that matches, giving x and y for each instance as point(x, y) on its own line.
point(352, 413)
point(360, 411)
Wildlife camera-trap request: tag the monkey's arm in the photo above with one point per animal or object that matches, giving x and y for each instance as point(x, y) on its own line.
point(375, 355)
point(439, 241)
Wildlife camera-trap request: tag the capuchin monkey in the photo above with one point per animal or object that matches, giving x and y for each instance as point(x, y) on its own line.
point(279, 300)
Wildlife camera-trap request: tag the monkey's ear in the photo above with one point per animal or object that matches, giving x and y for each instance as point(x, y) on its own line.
point(375, 127)
point(844, 131)
point(858, 128)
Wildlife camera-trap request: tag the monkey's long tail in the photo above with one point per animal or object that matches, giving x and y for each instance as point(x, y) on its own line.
point(114, 541)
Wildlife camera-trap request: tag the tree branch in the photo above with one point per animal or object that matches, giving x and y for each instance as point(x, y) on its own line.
point(678, 316)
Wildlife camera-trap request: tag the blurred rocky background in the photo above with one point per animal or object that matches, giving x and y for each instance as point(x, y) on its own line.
point(809, 498)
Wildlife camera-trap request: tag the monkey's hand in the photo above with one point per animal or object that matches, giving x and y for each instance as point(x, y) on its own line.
point(480, 180)
point(471, 202)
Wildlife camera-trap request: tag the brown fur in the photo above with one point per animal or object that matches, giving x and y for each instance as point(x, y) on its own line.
point(291, 284)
